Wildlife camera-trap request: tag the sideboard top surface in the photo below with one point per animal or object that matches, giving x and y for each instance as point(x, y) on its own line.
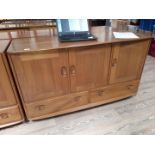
point(3, 45)
point(34, 44)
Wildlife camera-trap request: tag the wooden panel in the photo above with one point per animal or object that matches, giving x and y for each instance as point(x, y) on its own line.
point(10, 115)
point(114, 91)
point(57, 105)
point(127, 60)
point(38, 56)
point(41, 76)
point(7, 97)
point(89, 67)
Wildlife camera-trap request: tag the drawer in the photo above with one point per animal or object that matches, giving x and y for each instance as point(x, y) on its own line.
point(56, 106)
point(119, 90)
point(10, 115)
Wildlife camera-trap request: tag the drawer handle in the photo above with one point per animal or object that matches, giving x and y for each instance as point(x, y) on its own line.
point(114, 62)
point(40, 107)
point(77, 98)
point(100, 92)
point(72, 70)
point(64, 71)
point(130, 86)
point(4, 116)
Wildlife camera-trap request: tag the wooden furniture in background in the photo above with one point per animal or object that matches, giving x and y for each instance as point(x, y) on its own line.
point(54, 78)
point(97, 22)
point(10, 110)
point(26, 23)
point(26, 33)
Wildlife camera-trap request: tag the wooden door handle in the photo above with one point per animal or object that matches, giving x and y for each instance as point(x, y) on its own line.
point(40, 107)
point(72, 70)
point(130, 86)
point(114, 62)
point(77, 98)
point(4, 116)
point(100, 92)
point(64, 72)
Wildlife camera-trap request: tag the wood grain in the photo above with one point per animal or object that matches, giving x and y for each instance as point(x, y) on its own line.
point(59, 72)
point(127, 61)
point(56, 106)
point(131, 116)
point(9, 115)
point(41, 76)
point(104, 36)
point(10, 110)
point(38, 56)
point(113, 91)
point(7, 97)
point(91, 65)
point(50, 72)
point(26, 33)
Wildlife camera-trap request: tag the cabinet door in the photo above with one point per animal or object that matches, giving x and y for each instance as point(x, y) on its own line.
point(128, 60)
point(7, 97)
point(89, 67)
point(43, 75)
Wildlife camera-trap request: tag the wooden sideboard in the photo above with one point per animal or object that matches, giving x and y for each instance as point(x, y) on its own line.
point(10, 110)
point(26, 24)
point(26, 33)
point(54, 78)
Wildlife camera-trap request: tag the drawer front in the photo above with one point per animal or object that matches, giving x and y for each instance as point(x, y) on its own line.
point(119, 90)
point(57, 105)
point(10, 115)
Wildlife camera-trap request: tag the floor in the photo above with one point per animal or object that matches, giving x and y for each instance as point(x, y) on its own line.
point(135, 115)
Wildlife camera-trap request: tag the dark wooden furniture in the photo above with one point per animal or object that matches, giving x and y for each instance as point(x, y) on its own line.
point(27, 33)
point(54, 78)
point(26, 23)
point(97, 22)
point(10, 110)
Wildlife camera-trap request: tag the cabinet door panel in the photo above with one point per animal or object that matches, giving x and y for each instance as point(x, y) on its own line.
point(7, 97)
point(89, 67)
point(42, 75)
point(127, 61)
